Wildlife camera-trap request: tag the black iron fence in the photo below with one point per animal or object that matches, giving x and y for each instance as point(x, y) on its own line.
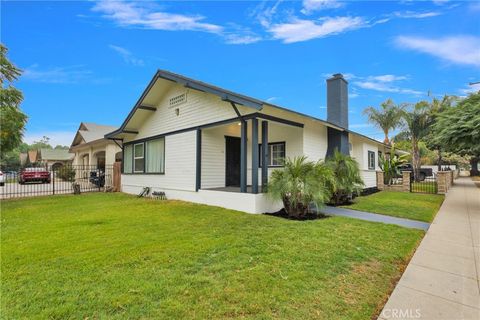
point(427, 185)
point(44, 180)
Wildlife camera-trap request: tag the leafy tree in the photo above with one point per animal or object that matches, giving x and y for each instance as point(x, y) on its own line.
point(12, 119)
point(43, 143)
point(386, 118)
point(437, 106)
point(458, 129)
point(348, 181)
point(416, 123)
point(300, 183)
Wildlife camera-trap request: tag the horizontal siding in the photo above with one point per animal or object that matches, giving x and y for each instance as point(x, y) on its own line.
point(315, 141)
point(369, 178)
point(200, 108)
point(179, 166)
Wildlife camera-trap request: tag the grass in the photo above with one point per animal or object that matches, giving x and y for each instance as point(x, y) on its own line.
point(116, 256)
point(415, 206)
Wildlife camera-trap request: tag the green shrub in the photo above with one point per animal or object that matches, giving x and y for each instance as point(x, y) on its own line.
point(65, 173)
point(301, 183)
point(348, 182)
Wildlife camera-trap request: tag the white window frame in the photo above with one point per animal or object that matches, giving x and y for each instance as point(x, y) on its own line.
point(270, 154)
point(369, 154)
point(136, 158)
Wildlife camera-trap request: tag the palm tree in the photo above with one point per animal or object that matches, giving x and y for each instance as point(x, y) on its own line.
point(300, 183)
point(416, 123)
point(386, 118)
point(348, 180)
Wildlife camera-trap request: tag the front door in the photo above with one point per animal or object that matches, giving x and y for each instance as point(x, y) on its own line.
point(232, 161)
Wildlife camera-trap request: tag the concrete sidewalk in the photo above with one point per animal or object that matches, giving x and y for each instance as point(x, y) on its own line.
point(442, 279)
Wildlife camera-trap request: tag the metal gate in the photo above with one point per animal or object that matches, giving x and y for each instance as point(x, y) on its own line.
point(41, 180)
point(428, 185)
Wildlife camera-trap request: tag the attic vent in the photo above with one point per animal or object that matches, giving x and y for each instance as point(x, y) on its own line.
point(178, 100)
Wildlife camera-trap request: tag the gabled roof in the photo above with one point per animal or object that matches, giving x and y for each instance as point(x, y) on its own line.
point(224, 94)
point(56, 154)
point(32, 156)
point(89, 132)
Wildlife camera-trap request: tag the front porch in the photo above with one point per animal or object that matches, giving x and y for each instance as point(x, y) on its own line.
point(231, 157)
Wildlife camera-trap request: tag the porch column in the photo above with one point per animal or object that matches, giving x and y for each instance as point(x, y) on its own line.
point(243, 157)
point(264, 155)
point(254, 155)
point(198, 170)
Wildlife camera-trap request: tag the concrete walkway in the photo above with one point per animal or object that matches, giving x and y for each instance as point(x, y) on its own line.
point(442, 279)
point(336, 211)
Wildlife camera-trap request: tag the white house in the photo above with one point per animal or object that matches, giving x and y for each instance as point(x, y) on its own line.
point(92, 149)
point(201, 143)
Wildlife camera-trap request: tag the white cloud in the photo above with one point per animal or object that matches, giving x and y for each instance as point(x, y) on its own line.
point(383, 83)
point(455, 49)
point(301, 30)
point(416, 15)
point(70, 74)
point(310, 6)
point(146, 15)
point(470, 89)
point(126, 55)
point(388, 78)
point(63, 138)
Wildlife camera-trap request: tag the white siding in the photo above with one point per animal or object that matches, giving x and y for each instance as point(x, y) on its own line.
point(179, 166)
point(200, 108)
point(315, 141)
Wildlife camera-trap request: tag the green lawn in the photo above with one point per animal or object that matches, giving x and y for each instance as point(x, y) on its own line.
point(416, 206)
point(116, 256)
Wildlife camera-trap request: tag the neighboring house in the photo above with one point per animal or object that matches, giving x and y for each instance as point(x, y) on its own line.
point(201, 143)
point(30, 157)
point(54, 158)
point(92, 149)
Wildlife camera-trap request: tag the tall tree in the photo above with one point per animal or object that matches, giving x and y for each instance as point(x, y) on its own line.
point(458, 129)
point(416, 122)
point(12, 119)
point(387, 117)
point(437, 106)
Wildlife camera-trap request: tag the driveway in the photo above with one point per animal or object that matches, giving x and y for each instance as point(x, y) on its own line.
point(442, 279)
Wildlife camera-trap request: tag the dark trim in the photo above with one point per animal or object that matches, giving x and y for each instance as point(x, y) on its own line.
point(219, 123)
point(234, 106)
point(198, 167)
point(147, 108)
point(130, 131)
point(120, 146)
point(255, 158)
point(279, 120)
point(243, 157)
point(269, 155)
point(264, 155)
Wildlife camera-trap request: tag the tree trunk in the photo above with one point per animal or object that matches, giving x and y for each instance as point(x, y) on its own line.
point(415, 159)
point(439, 159)
point(474, 163)
point(386, 140)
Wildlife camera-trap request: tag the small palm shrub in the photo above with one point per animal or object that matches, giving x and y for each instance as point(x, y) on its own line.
point(348, 181)
point(301, 183)
point(390, 166)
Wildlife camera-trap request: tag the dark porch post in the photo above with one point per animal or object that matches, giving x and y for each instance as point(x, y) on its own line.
point(254, 155)
point(198, 168)
point(243, 157)
point(264, 155)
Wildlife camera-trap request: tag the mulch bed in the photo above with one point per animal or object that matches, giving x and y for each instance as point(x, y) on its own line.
point(283, 214)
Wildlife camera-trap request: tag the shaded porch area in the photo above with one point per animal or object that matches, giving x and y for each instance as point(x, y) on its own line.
point(239, 156)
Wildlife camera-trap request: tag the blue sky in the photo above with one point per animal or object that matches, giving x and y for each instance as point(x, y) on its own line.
point(90, 61)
